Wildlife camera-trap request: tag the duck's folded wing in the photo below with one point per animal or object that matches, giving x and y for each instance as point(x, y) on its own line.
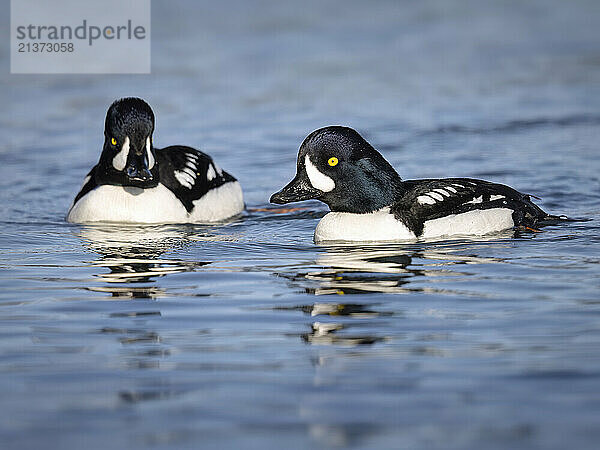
point(189, 173)
point(425, 200)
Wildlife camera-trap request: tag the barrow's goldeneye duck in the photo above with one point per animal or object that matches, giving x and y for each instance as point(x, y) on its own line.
point(370, 202)
point(136, 182)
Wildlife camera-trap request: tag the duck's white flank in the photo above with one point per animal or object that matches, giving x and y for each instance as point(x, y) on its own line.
point(219, 203)
point(383, 226)
point(476, 222)
point(109, 203)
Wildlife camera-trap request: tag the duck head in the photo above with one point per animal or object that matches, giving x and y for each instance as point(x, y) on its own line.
point(338, 167)
point(128, 157)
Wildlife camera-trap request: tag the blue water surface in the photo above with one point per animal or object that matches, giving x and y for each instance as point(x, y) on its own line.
point(246, 334)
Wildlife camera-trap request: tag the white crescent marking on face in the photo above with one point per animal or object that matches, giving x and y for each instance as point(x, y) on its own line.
point(120, 160)
point(318, 180)
point(150, 155)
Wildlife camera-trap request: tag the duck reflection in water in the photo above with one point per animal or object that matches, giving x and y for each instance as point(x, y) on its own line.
point(326, 332)
point(390, 268)
point(132, 254)
point(394, 269)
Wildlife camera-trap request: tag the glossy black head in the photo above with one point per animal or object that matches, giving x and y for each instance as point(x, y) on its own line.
point(128, 158)
point(337, 166)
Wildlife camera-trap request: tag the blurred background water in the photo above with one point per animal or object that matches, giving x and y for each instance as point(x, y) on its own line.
point(248, 335)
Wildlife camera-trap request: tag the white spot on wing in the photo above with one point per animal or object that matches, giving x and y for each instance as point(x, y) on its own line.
point(210, 173)
point(191, 160)
point(120, 160)
point(496, 197)
point(187, 174)
point(477, 200)
point(442, 191)
point(425, 200)
point(184, 179)
point(451, 189)
point(190, 172)
point(436, 196)
point(318, 179)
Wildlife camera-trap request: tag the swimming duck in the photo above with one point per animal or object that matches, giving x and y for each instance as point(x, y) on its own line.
point(135, 182)
point(370, 202)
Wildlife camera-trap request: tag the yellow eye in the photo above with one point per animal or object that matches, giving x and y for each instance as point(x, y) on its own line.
point(332, 161)
point(113, 141)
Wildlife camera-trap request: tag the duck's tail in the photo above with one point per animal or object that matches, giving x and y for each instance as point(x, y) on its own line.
point(554, 220)
point(533, 216)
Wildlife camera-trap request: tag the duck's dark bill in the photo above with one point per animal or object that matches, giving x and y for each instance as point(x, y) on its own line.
point(137, 172)
point(297, 190)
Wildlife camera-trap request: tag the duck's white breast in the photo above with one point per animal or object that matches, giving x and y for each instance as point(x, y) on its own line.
point(376, 226)
point(383, 226)
point(109, 203)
